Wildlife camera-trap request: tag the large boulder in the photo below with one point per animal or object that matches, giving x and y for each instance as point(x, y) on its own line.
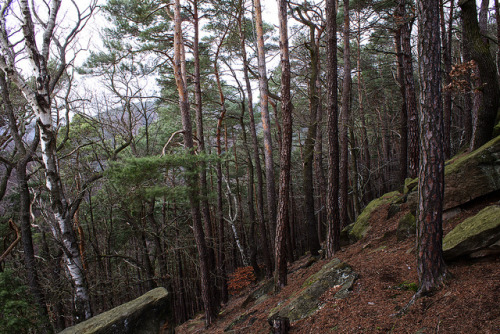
point(148, 314)
point(474, 234)
point(334, 274)
point(469, 176)
point(362, 224)
point(473, 175)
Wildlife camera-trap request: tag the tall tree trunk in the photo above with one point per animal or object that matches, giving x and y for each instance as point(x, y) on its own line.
point(266, 122)
point(446, 38)
point(205, 211)
point(480, 53)
point(207, 293)
point(430, 264)
point(319, 171)
point(308, 153)
point(483, 18)
point(40, 100)
point(364, 133)
point(468, 94)
point(250, 198)
point(27, 242)
point(355, 173)
point(497, 17)
point(333, 238)
point(285, 154)
point(220, 215)
point(266, 254)
point(24, 203)
point(344, 122)
point(403, 125)
point(411, 99)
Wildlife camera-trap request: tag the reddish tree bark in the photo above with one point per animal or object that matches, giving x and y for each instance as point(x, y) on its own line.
point(266, 122)
point(430, 264)
point(207, 293)
point(280, 274)
point(266, 254)
point(344, 123)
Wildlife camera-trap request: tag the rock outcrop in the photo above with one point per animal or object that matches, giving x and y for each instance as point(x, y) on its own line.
point(479, 233)
point(334, 274)
point(362, 224)
point(147, 314)
point(473, 175)
point(469, 176)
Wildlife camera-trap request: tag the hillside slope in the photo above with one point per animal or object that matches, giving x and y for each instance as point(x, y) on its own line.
point(468, 303)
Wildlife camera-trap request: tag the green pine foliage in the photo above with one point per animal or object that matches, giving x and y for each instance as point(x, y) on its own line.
point(17, 312)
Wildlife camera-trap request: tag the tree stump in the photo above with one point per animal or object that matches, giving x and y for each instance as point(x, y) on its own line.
point(279, 325)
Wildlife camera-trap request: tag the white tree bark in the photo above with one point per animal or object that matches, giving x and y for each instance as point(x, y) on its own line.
point(39, 98)
point(232, 218)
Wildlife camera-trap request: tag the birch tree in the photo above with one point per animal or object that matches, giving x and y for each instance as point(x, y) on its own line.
point(22, 29)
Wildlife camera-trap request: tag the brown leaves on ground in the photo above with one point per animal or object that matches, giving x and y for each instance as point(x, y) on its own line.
point(468, 303)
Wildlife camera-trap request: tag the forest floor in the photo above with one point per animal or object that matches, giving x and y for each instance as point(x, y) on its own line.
point(469, 302)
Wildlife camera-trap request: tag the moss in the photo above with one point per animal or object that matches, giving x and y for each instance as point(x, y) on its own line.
point(485, 220)
point(408, 286)
point(362, 225)
point(141, 315)
point(496, 129)
point(335, 263)
point(409, 185)
point(406, 226)
point(306, 302)
point(481, 155)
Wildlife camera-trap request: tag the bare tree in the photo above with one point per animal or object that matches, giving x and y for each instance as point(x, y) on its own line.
point(23, 154)
point(39, 98)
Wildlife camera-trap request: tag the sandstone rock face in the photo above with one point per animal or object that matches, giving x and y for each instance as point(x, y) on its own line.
point(475, 234)
point(147, 314)
point(335, 274)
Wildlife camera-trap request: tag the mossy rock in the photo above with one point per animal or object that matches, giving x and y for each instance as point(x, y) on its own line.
point(496, 129)
point(241, 319)
point(306, 302)
point(468, 176)
point(407, 226)
point(261, 291)
point(473, 234)
point(410, 185)
point(143, 315)
point(362, 225)
point(473, 175)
